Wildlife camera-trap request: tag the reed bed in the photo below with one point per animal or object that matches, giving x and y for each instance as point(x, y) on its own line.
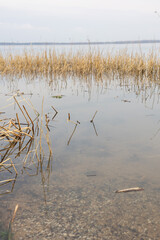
point(24, 138)
point(82, 65)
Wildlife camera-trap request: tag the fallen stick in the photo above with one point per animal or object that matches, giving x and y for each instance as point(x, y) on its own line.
point(130, 190)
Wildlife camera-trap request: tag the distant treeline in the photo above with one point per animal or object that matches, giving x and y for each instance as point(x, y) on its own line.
point(79, 43)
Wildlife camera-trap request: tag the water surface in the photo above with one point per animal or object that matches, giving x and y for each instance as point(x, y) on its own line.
point(73, 195)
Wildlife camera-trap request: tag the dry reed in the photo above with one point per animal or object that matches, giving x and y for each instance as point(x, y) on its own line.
point(17, 139)
point(96, 64)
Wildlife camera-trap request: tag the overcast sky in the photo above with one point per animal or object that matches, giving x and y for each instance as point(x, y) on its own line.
point(79, 20)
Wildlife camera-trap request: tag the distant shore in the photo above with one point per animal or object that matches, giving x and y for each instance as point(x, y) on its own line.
point(77, 43)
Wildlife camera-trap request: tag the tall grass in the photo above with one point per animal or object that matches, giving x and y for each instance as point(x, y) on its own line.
point(91, 63)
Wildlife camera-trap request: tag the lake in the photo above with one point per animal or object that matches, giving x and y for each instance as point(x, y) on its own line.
point(91, 138)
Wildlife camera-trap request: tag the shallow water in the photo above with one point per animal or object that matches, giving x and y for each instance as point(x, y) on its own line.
point(74, 197)
point(111, 48)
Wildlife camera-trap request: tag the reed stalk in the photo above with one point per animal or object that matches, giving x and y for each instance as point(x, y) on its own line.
point(82, 65)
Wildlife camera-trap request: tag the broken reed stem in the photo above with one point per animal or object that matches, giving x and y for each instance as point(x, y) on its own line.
point(94, 116)
point(69, 120)
point(36, 151)
point(10, 124)
point(10, 224)
point(18, 122)
point(14, 214)
point(41, 130)
point(72, 134)
point(47, 121)
point(48, 141)
point(21, 109)
point(30, 105)
point(5, 165)
point(22, 149)
point(54, 109)
point(7, 180)
point(6, 160)
point(14, 124)
point(7, 132)
point(29, 118)
point(13, 139)
point(24, 133)
point(35, 111)
point(54, 116)
point(95, 128)
point(24, 124)
point(56, 112)
point(14, 167)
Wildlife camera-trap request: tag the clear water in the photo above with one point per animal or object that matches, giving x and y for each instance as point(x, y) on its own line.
point(74, 196)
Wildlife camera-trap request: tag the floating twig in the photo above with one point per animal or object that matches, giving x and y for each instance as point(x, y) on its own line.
point(135, 189)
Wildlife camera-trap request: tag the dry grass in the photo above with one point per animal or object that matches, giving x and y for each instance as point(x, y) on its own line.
point(82, 65)
point(21, 136)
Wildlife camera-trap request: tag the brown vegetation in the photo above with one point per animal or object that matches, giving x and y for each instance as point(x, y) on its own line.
point(18, 138)
point(91, 63)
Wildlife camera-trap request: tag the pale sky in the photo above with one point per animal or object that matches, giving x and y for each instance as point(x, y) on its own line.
point(79, 20)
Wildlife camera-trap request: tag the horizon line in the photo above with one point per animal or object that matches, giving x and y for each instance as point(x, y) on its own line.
point(82, 43)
